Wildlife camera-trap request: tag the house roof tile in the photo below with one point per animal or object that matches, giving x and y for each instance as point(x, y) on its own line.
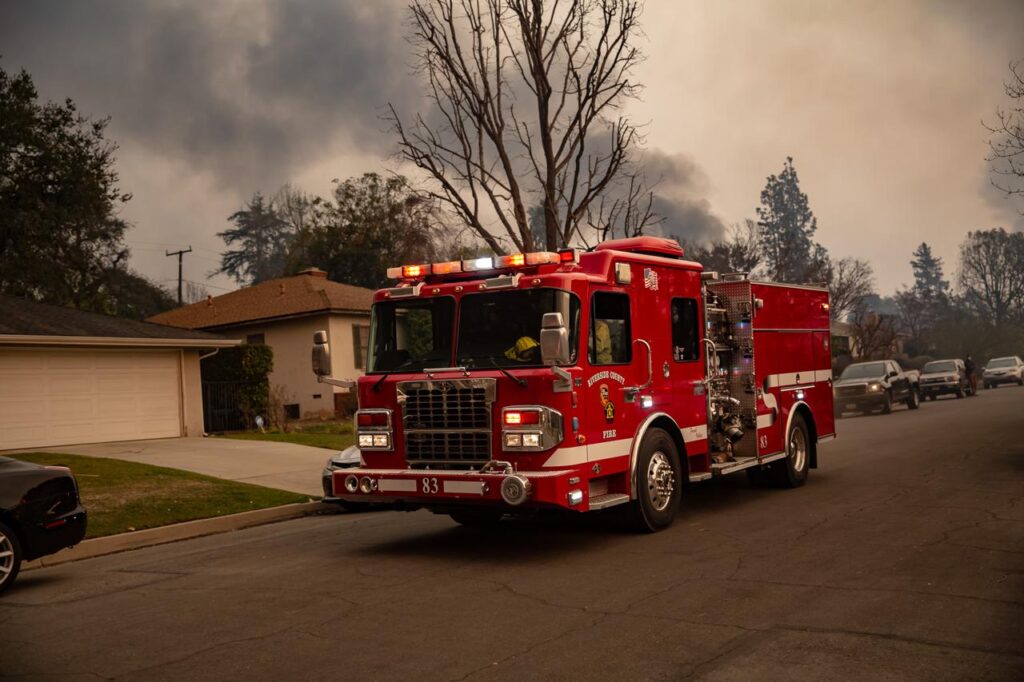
point(307, 292)
point(22, 317)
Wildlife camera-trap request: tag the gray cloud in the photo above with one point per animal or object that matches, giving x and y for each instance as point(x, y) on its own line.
point(680, 196)
point(248, 92)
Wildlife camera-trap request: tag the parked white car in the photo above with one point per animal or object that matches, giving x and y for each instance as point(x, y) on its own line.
point(1003, 371)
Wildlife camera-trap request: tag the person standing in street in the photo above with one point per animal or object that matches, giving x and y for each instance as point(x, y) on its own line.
point(972, 374)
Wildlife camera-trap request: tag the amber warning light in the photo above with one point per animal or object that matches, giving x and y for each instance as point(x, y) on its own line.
point(516, 417)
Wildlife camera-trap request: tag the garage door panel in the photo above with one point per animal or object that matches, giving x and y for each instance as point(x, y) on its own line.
point(56, 397)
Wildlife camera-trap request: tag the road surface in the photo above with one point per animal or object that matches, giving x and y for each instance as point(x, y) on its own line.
point(902, 558)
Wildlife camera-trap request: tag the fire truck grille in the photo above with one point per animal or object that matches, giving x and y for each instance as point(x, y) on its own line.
point(452, 448)
point(457, 408)
point(447, 424)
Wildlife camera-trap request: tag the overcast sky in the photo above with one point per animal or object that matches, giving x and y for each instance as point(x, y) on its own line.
point(879, 103)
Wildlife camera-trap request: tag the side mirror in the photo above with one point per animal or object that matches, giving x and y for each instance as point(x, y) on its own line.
point(554, 340)
point(321, 354)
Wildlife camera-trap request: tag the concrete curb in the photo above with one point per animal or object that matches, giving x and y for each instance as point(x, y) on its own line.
point(124, 542)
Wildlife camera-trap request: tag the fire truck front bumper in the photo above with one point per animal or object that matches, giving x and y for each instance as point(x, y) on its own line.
point(489, 487)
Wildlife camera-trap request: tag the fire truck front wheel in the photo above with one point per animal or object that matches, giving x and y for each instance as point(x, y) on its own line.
point(659, 482)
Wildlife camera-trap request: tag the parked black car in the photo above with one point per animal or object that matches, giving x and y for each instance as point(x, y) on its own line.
point(40, 514)
point(875, 386)
point(940, 377)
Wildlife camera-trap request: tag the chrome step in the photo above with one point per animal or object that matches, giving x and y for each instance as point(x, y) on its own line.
point(609, 500)
point(740, 463)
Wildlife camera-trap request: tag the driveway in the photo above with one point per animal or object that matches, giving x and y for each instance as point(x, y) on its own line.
point(284, 466)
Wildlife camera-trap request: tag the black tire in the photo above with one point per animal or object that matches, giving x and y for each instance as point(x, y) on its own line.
point(477, 518)
point(886, 403)
point(792, 471)
point(914, 399)
point(659, 483)
point(10, 557)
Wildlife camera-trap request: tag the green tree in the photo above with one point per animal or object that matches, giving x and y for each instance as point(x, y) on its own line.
point(263, 242)
point(61, 239)
point(371, 223)
point(787, 230)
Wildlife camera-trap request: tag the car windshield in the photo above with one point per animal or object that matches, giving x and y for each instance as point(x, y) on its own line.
point(1003, 362)
point(939, 366)
point(408, 336)
point(870, 370)
point(503, 328)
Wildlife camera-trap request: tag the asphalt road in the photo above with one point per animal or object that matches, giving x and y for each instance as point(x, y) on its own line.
point(902, 558)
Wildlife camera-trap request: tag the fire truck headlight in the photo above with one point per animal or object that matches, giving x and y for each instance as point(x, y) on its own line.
point(366, 440)
point(381, 440)
point(575, 497)
point(646, 402)
point(513, 440)
point(531, 440)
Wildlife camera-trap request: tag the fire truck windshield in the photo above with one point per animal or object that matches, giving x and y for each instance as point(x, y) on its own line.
point(502, 328)
point(409, 336)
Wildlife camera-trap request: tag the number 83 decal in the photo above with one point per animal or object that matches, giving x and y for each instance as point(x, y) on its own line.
point(429, 486)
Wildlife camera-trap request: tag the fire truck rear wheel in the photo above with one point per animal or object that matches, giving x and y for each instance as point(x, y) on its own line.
point(791, 472)
point(477, 518)
point(659, 483)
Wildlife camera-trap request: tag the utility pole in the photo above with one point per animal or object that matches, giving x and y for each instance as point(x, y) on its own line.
point(179, 254)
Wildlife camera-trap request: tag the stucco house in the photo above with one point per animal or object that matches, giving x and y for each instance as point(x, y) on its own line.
point(70, 376)
point(283, 314)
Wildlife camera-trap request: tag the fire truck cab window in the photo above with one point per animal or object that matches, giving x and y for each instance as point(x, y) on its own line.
point(610, 341)
point(685, 335)
point(502, 329)
point(411, 336)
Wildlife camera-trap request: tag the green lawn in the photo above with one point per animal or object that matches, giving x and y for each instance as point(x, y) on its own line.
point(330, 435)
point(123, 496)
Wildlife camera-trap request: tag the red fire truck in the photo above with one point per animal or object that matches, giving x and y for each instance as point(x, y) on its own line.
point(583, 381)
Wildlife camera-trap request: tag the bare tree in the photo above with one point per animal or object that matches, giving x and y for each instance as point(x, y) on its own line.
point(992, 274)
point(850, 281)
point(195, 292)
point(1006, 144)
point(874, 334)
point(740, 251)
point(527, 101)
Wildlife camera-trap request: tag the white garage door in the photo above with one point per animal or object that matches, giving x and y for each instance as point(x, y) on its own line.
point(58, 397)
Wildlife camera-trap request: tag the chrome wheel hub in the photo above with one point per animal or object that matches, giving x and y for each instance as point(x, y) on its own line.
point(6, 557)
point(798, 449)
point(661, 481)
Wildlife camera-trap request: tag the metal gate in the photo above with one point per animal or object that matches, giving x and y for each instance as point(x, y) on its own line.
point(225, 405)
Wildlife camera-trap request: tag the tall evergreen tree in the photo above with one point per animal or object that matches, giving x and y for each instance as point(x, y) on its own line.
point(787, 227)
point(263, 240)
point(928, 277)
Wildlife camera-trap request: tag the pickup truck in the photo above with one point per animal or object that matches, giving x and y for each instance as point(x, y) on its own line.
point(874, 387)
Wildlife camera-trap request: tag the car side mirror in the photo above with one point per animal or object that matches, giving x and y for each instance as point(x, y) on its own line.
point(891, 375)
point(321, 354)
point(554, 340)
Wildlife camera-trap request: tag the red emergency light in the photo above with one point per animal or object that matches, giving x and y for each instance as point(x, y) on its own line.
point(372, 418)
point(515, 260)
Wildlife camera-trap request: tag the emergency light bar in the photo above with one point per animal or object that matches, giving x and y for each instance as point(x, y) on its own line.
point(515, 260)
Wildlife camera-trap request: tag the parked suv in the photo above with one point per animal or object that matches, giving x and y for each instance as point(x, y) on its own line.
point(1003, 371)
point(940, 377)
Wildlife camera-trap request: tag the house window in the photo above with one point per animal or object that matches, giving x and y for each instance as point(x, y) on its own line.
point(255, 340)
point(610, 341)
point(685, 340)
point(291, 411)
point(360, 343)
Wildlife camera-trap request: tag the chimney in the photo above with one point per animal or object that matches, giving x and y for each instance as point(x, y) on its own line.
point(314, 272)
point(209, 300)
